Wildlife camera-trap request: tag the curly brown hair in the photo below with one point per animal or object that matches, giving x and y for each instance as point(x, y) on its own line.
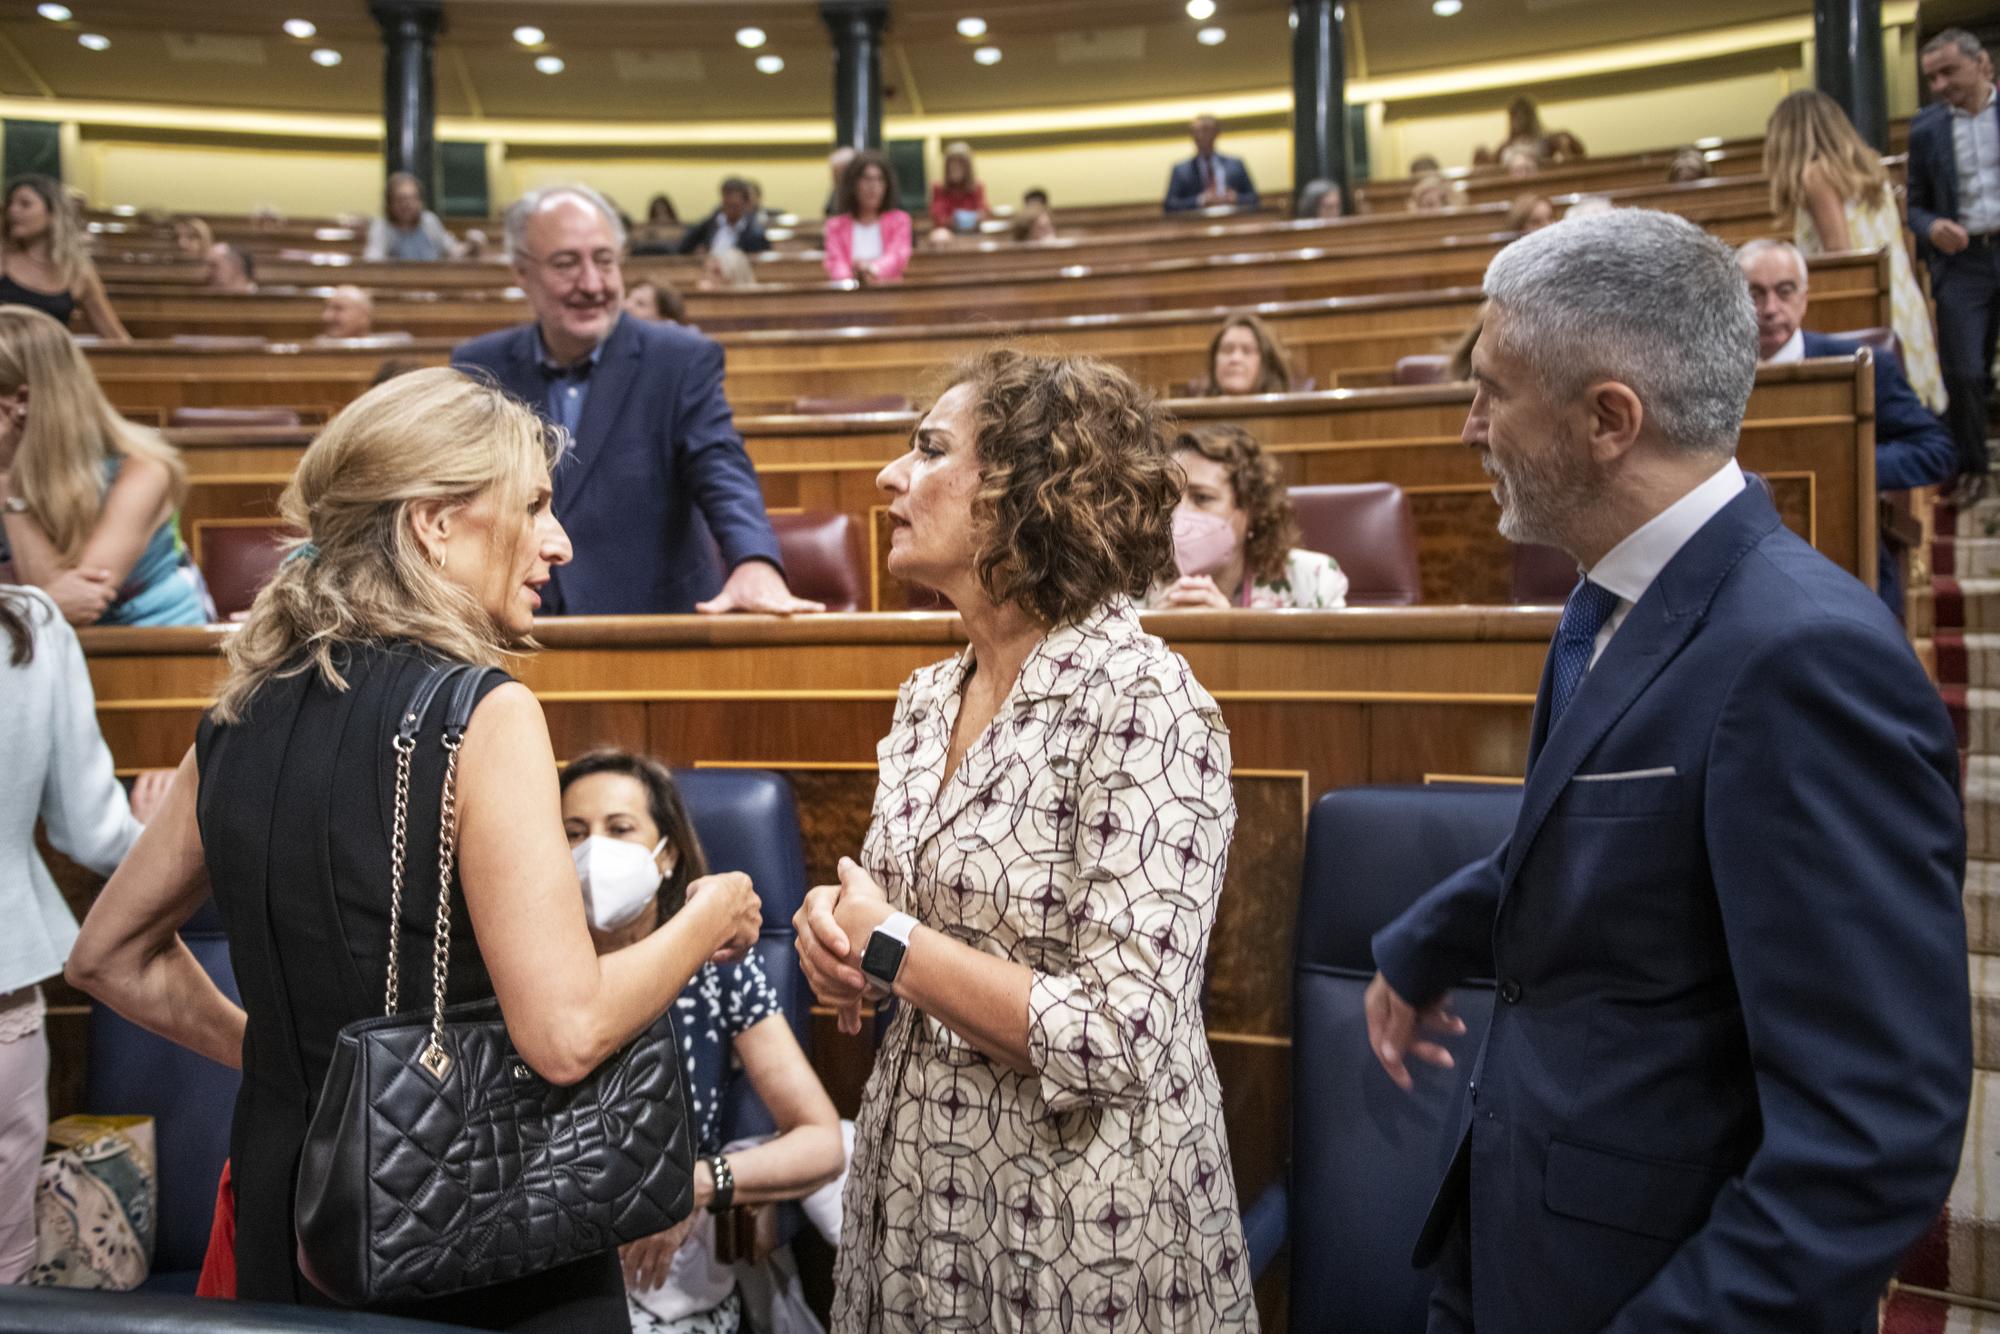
point(1260, 490)
point(1077, 487)
point(1274, 364)
point(866, 158)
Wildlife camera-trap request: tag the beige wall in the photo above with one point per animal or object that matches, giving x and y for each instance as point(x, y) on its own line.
point(1122, 170)
point(791, 181)
point(307, 179)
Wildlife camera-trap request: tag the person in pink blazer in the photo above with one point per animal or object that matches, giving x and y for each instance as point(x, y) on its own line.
point(867, 240)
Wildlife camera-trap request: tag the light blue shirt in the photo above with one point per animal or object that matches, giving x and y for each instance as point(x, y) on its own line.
point(569, 386)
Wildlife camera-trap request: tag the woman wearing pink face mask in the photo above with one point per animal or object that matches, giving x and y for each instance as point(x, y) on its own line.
point(1234, 530)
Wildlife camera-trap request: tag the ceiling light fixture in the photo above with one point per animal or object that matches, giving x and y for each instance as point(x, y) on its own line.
point(55, 13)
point(770, 64)
point(750, 37)
point(529, 35)
point(93, 41)
point(1211, 36)
point(987, 55)
point(1201, 10)
point(972, 28)
point(326, 57)
point(549, 64)
point(301, 28)
point(1444, 9)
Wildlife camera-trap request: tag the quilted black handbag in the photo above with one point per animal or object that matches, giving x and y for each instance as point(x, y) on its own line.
point(437, 1160)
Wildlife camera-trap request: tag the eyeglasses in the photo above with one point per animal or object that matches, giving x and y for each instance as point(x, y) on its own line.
point(568, 264)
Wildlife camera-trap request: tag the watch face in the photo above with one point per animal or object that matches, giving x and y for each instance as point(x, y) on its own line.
point(882, 958)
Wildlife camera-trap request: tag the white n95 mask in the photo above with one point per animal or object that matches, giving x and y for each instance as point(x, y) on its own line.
point(620, 879)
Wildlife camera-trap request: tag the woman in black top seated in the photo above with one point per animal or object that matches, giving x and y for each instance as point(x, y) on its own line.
point(427, 506)
point(42, 258)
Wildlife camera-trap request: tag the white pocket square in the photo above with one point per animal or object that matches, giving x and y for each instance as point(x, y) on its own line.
point(1664, 771)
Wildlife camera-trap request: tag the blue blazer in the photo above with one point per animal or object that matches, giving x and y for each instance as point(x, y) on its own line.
point(1933, 167)
point(656, 469)
point(1184, 185)
point(1725, 1082)
point(750, 241)
point(1912, 446)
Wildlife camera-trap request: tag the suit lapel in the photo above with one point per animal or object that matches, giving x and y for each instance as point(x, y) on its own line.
point(611, 382)
point(1658, 627)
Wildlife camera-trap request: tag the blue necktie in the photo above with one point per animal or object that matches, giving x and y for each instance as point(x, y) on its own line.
point(1589, 607)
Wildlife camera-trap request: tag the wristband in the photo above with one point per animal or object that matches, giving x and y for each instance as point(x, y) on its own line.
point(725, 1184)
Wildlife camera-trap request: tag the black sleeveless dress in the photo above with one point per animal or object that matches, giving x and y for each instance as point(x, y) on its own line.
point(56, 305)
point(295, 809)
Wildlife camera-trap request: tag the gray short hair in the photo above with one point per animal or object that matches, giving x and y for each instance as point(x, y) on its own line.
point(1647, 299)
point(530, 203)
point(1763, 245)
point(1968, 45)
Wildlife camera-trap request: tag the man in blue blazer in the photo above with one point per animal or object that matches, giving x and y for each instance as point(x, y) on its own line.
point(1725, 1082)
point(1956, 218)
point(1912, 447)
point(656, 483)
point(1209, 178)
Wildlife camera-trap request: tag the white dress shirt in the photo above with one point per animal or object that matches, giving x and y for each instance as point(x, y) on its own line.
point(1793, 352)
point(1630, 568)
point(1975, 140)
point(53, 765)
point(867, 246)
point(726, 234)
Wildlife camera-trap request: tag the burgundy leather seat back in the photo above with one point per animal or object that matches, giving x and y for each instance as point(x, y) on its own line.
point(237, 560)
point(233, 417)
point(1427, 368)
point(1369, 529)
point(823, 558)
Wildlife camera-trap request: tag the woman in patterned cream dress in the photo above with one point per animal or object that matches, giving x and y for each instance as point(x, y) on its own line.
point(1832, 187)
point(1040, 1146)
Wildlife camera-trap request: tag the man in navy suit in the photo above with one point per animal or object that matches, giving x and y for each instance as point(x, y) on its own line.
point(656, 482)
point(1209, 178)
point(734, 225)
point(1724, 1086)
point(1912, 447)
point(1955, 212)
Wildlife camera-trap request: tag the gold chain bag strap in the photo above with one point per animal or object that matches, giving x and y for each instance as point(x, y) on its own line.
point(437, 1160)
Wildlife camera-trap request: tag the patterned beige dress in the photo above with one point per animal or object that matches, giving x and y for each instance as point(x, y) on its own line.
point(1084, 835)
point(1872, 227)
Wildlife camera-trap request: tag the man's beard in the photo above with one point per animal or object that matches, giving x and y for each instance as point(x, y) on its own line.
point(1543, 495)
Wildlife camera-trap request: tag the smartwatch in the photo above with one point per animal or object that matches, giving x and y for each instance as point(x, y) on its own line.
point(883, 958)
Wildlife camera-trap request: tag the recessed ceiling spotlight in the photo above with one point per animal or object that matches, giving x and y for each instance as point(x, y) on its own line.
point(54, 13)
point(529, 35)
point(301, 28)
point(973, 28)
point(987, 55)
point(1211, 36)
point(1444, 9)
point(94, 41)
point(750, 37)
point(770, 64)
point(326, 57)
point(549, 64)
point(1201, 10)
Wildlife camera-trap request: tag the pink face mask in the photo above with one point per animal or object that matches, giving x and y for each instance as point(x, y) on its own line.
point(1203, 542)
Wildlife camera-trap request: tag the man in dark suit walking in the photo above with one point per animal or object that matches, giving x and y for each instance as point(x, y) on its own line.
point(1725, 1083)
point(734, 224)
point(1912, 447)
point(656, 483)
point(1209, 178)
point(1955, 212)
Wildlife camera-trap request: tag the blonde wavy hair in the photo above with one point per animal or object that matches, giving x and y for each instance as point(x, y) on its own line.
point(1808, 132)
point(72, 431)
point(361, 574)
point(67, 241)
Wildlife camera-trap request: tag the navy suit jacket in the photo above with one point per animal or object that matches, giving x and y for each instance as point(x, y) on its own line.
point(656, 469)
point(1912, 446)
point(1933, 170)
point(750, 240)
point(1725, 1084)
point(1184, 186)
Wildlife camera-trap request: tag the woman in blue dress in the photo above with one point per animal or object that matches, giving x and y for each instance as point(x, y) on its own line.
point(88, 498)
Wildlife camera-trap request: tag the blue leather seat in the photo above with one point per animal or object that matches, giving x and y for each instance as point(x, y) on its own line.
point(1367, 1157)
point(192, 1101)
point(748, 822)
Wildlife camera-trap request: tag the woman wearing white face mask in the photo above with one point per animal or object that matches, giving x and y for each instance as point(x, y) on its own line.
point(1234, 531)
point(636, 852)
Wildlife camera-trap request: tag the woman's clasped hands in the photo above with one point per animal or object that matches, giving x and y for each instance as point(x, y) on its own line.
point(833, 925)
